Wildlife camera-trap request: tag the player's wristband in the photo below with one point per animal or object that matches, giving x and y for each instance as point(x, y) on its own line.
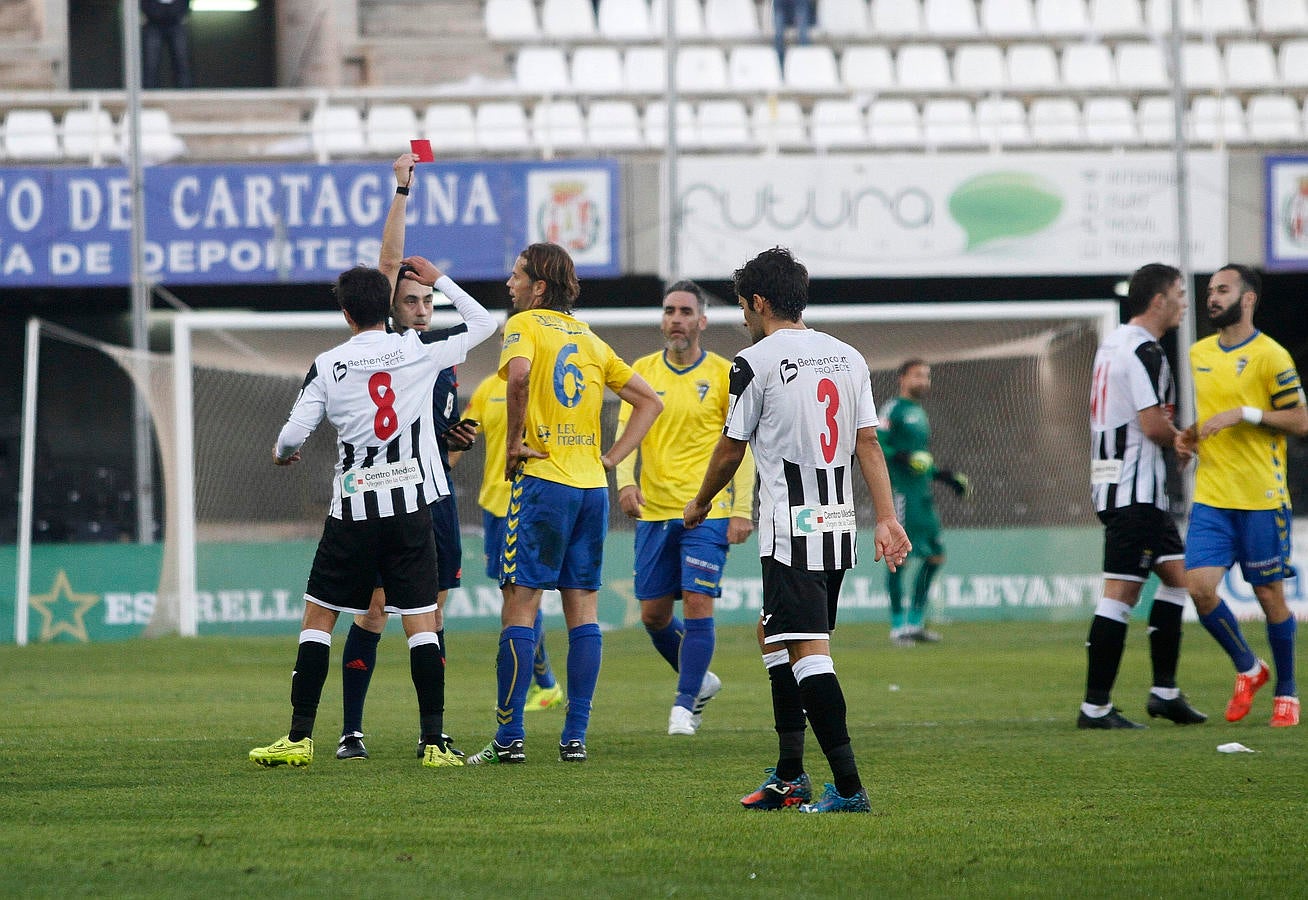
point(1252, 414)
point(402, 191)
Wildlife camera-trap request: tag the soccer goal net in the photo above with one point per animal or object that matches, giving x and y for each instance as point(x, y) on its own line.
point(1010, 383)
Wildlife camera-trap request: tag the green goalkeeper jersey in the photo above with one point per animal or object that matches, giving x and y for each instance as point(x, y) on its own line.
point(905, 430)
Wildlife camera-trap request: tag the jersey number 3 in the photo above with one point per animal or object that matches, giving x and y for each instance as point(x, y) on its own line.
point(384, 423)
point(828, 393)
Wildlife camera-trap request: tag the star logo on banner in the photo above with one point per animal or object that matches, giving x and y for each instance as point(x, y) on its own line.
point(62, 611)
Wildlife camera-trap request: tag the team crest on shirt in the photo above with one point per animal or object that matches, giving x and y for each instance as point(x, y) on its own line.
point(701, 388)
point(1240, 364)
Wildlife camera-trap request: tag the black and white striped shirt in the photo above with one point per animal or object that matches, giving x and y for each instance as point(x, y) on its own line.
point(1131, 374)
point(799, 397)
point(376, 389)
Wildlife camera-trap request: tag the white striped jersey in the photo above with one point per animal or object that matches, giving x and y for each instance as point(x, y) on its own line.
point(799, 397)
point(376, 389)
point(1131, 374)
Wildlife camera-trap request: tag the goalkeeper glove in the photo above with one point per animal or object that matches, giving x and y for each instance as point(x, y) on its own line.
point(919, 461)
point(957, 481)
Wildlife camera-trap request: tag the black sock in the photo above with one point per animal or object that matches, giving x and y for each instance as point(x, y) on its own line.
point(310, 674)
point(358, 659)
point(1103, 650)
point(788, 716)
point(825, 704)
point(428, 673)
point(440, 636)
point(1165, 642)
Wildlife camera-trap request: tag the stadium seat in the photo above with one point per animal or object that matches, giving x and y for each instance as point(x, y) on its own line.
point(867, 68)
point(1087, 66)
point(335, 131)
point(389, 128)
point(1061, 17)
point(613, 125)
point(1250, 64)
point(31, 135)
point(1007, 18)
point(1110, 121)
point(1216, 120)
point(89, 134)
point(1116, 17)
point(596, 70)
point(1283, 16)
point(894, 122)
point(1158, 15)
point(644, 70)
point(1055, 121)
point(810, 68)
point(731, 19)
point(950, 18)
point(541, 70)
point(624, 20)
point(1201, 65)
point(896, 18)
point(160, 143)
point(979, 67)
point(1001, 122)
point(922, 67)
point(502, 125)
point(837, 124)
point(1273, 118)
point(558, 124)
point(511, 20)
point(722, 125)
point(843, 18)
point(572, 19)
point(1156, 118)
point(752, 68)
point(779, 124)
point(1032, 66)
point(690, 17)
point(656, 124)
point(1140, 66)
point(449, 126)
point(701, 70)
point(946, 122)
point(1293, 58)
point(1224, 16)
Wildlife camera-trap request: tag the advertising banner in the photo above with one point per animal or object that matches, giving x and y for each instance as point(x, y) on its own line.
point(949, 214)
point(1286, 179)
point(249, 224)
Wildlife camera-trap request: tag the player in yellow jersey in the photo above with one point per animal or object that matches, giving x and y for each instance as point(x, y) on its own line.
point(487, 407)
point(671, 561)
point(1248, 397)
point(556, 370)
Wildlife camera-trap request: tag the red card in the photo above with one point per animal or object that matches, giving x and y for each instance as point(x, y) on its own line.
point(422, 150)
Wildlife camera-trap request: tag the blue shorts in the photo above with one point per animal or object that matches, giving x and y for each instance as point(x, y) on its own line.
point(492, 543)
point(555, 535)
point(449, 543)
point(1258, 539)
point(671, 560)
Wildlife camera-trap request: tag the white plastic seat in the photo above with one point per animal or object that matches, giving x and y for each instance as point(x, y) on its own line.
point(1216, 120)
point(502, 125)
point(567, 18)
point(644, 70)
point(922, 67)
point(1032, 66)
point(449, 126)
point(1055, 120)
point(947, 122)
point(701, 70)
point(753, 67)
point(894, 122)
point(979, 67)
point(335, 130)
point(843, 18)
point(837, 123)
point(1274, 117)
point(950, 18)
point(1110, 121)
point(30, 134)
point(810, 67)
point(1087, 66)
point(690, 17)
point(1250, 64)
point(624, 20)
point(779, 123)
point(1007, 18)
point(721, 124)
point(896, 18)
point(656, 124)
point(613, 124)
point(389, 127)
point(89, 134)
point(1201, 65)
point(1140, 65)
point(1224, 16)
point(867, 68)
point(558, 124)
point(596, 70)
point(1116, 17)
point(1001, 122)
point(511, 20)
point(1059, 17)
point(1156, 119)
point(1293, 59)
point(1158, 15)
point(731, 18)
point(1283, 16)
point(541, 70)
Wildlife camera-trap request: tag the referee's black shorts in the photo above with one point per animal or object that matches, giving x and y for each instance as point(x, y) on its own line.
point(351, 555)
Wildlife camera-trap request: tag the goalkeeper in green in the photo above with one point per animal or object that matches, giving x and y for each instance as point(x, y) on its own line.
point(905, 435)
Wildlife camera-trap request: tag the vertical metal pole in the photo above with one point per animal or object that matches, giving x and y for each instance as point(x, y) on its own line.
point(670, 148)
point(27, 480)
point(1185, 332)
point(141, 431)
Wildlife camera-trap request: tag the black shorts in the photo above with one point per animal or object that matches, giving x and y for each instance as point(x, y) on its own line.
point(1136, 539)
point(798, 605)
point(449, 543)
point(351, 555)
